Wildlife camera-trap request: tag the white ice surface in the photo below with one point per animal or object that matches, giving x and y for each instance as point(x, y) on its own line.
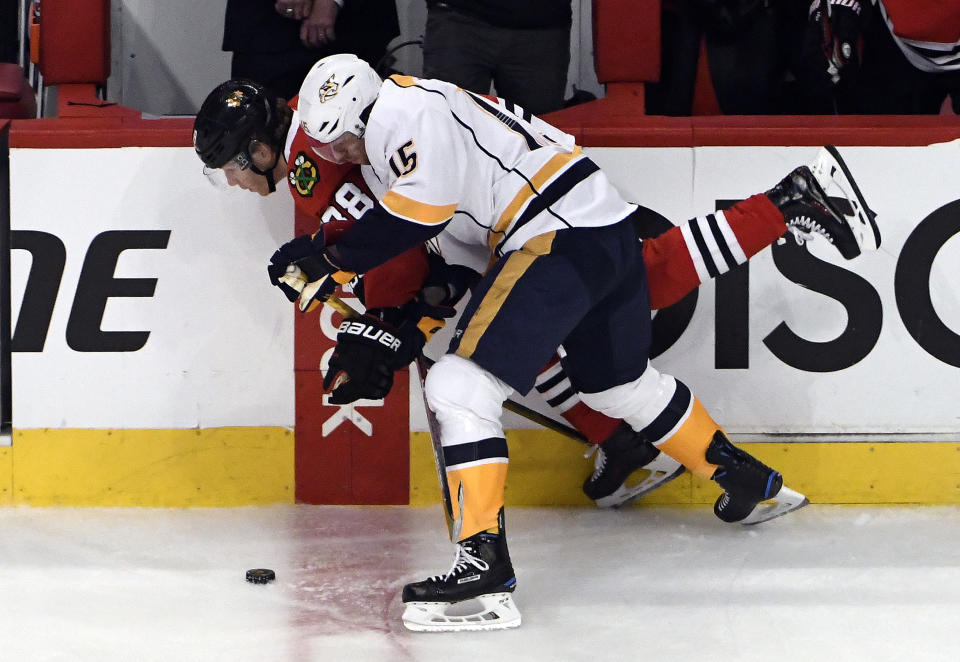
point(824, 583)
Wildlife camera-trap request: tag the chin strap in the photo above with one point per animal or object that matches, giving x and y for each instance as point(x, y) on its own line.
point(268, 173)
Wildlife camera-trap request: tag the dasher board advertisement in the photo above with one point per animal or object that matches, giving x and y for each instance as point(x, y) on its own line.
point(140, 295)
point(799, 340)
point(162, 315)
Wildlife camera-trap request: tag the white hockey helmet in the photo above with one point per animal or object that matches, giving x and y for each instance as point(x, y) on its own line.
point(334, 95)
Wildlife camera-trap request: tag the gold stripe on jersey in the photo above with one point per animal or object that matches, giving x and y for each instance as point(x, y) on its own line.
point(688, 445)
point(419, 212)
point(516, 265)
point(403, 81)
point(541, 177)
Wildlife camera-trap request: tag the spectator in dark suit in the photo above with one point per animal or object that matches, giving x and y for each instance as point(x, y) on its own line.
point(521, 46)
point(276, 43)
point(746, 48)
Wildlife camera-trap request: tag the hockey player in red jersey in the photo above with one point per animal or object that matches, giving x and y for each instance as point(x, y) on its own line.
point(245, 139)
point(269, 147)
point(566, 269)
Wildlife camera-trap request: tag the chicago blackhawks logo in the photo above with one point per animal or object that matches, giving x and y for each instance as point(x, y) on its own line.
point(329, 89)
point(235, 99)
point(304, 175)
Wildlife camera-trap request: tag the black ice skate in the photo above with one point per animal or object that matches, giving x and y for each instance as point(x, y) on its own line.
point(753, 492)
point(473, 595)
point(824, 199)
point(620, 455)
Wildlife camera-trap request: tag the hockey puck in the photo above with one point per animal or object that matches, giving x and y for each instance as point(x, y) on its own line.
point(261, 575)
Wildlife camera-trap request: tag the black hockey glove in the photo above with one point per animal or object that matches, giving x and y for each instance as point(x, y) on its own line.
point(837, 26)
point(425, 317)
point(446, 284)
point(368, 352)
point(277, 271)
point(301, 272)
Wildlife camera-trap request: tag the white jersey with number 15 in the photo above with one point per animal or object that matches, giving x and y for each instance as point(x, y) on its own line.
point(502, 175)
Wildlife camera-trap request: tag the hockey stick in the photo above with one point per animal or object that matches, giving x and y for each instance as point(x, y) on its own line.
point(510, 405)
point(453, 524)
point(341, 306)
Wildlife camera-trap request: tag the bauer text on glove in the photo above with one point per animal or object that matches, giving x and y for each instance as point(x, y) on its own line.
point(368, 352)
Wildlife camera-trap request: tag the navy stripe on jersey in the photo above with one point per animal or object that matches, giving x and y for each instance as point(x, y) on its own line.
point(555, 190)
point(484, 449)
point(924, 55)
point(518, 110)
point(553, 385)
point(933, 50)
point(712, 245)
point(670, 416)
point(477, 142)
point(721, 241)
point(380, 237)
point(548, 384)
point(508, 120)
point(948, 62)
point(561, 397)
point(704, 250)
point(945, 58)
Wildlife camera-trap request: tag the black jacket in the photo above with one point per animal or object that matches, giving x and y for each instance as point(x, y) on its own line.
point(522, 14)
point(363, 27)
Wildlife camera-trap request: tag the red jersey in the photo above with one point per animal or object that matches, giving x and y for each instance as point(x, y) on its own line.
point(927, 31)
point(330, 198)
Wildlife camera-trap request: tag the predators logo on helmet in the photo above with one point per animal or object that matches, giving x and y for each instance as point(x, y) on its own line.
point(329, 89)
point(335, 97)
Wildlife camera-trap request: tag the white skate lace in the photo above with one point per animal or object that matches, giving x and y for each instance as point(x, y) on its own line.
point(461, 559)
point(599, 463)
point(805, 228)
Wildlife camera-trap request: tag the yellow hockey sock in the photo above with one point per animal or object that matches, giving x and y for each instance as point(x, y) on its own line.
point(688, 445)
point(483, 487)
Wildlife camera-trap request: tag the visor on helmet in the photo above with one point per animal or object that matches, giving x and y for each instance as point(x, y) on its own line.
point(218, 176)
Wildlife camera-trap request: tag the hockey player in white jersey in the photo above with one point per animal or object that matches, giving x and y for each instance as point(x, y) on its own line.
point(565, 270)
point(241, 125)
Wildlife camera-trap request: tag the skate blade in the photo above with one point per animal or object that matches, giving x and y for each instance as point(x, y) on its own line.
point(662, 469)
point(491, 611)
point(830, 166)
point(785, 502)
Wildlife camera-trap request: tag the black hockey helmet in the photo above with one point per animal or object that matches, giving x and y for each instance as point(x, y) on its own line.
point(232, 115)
